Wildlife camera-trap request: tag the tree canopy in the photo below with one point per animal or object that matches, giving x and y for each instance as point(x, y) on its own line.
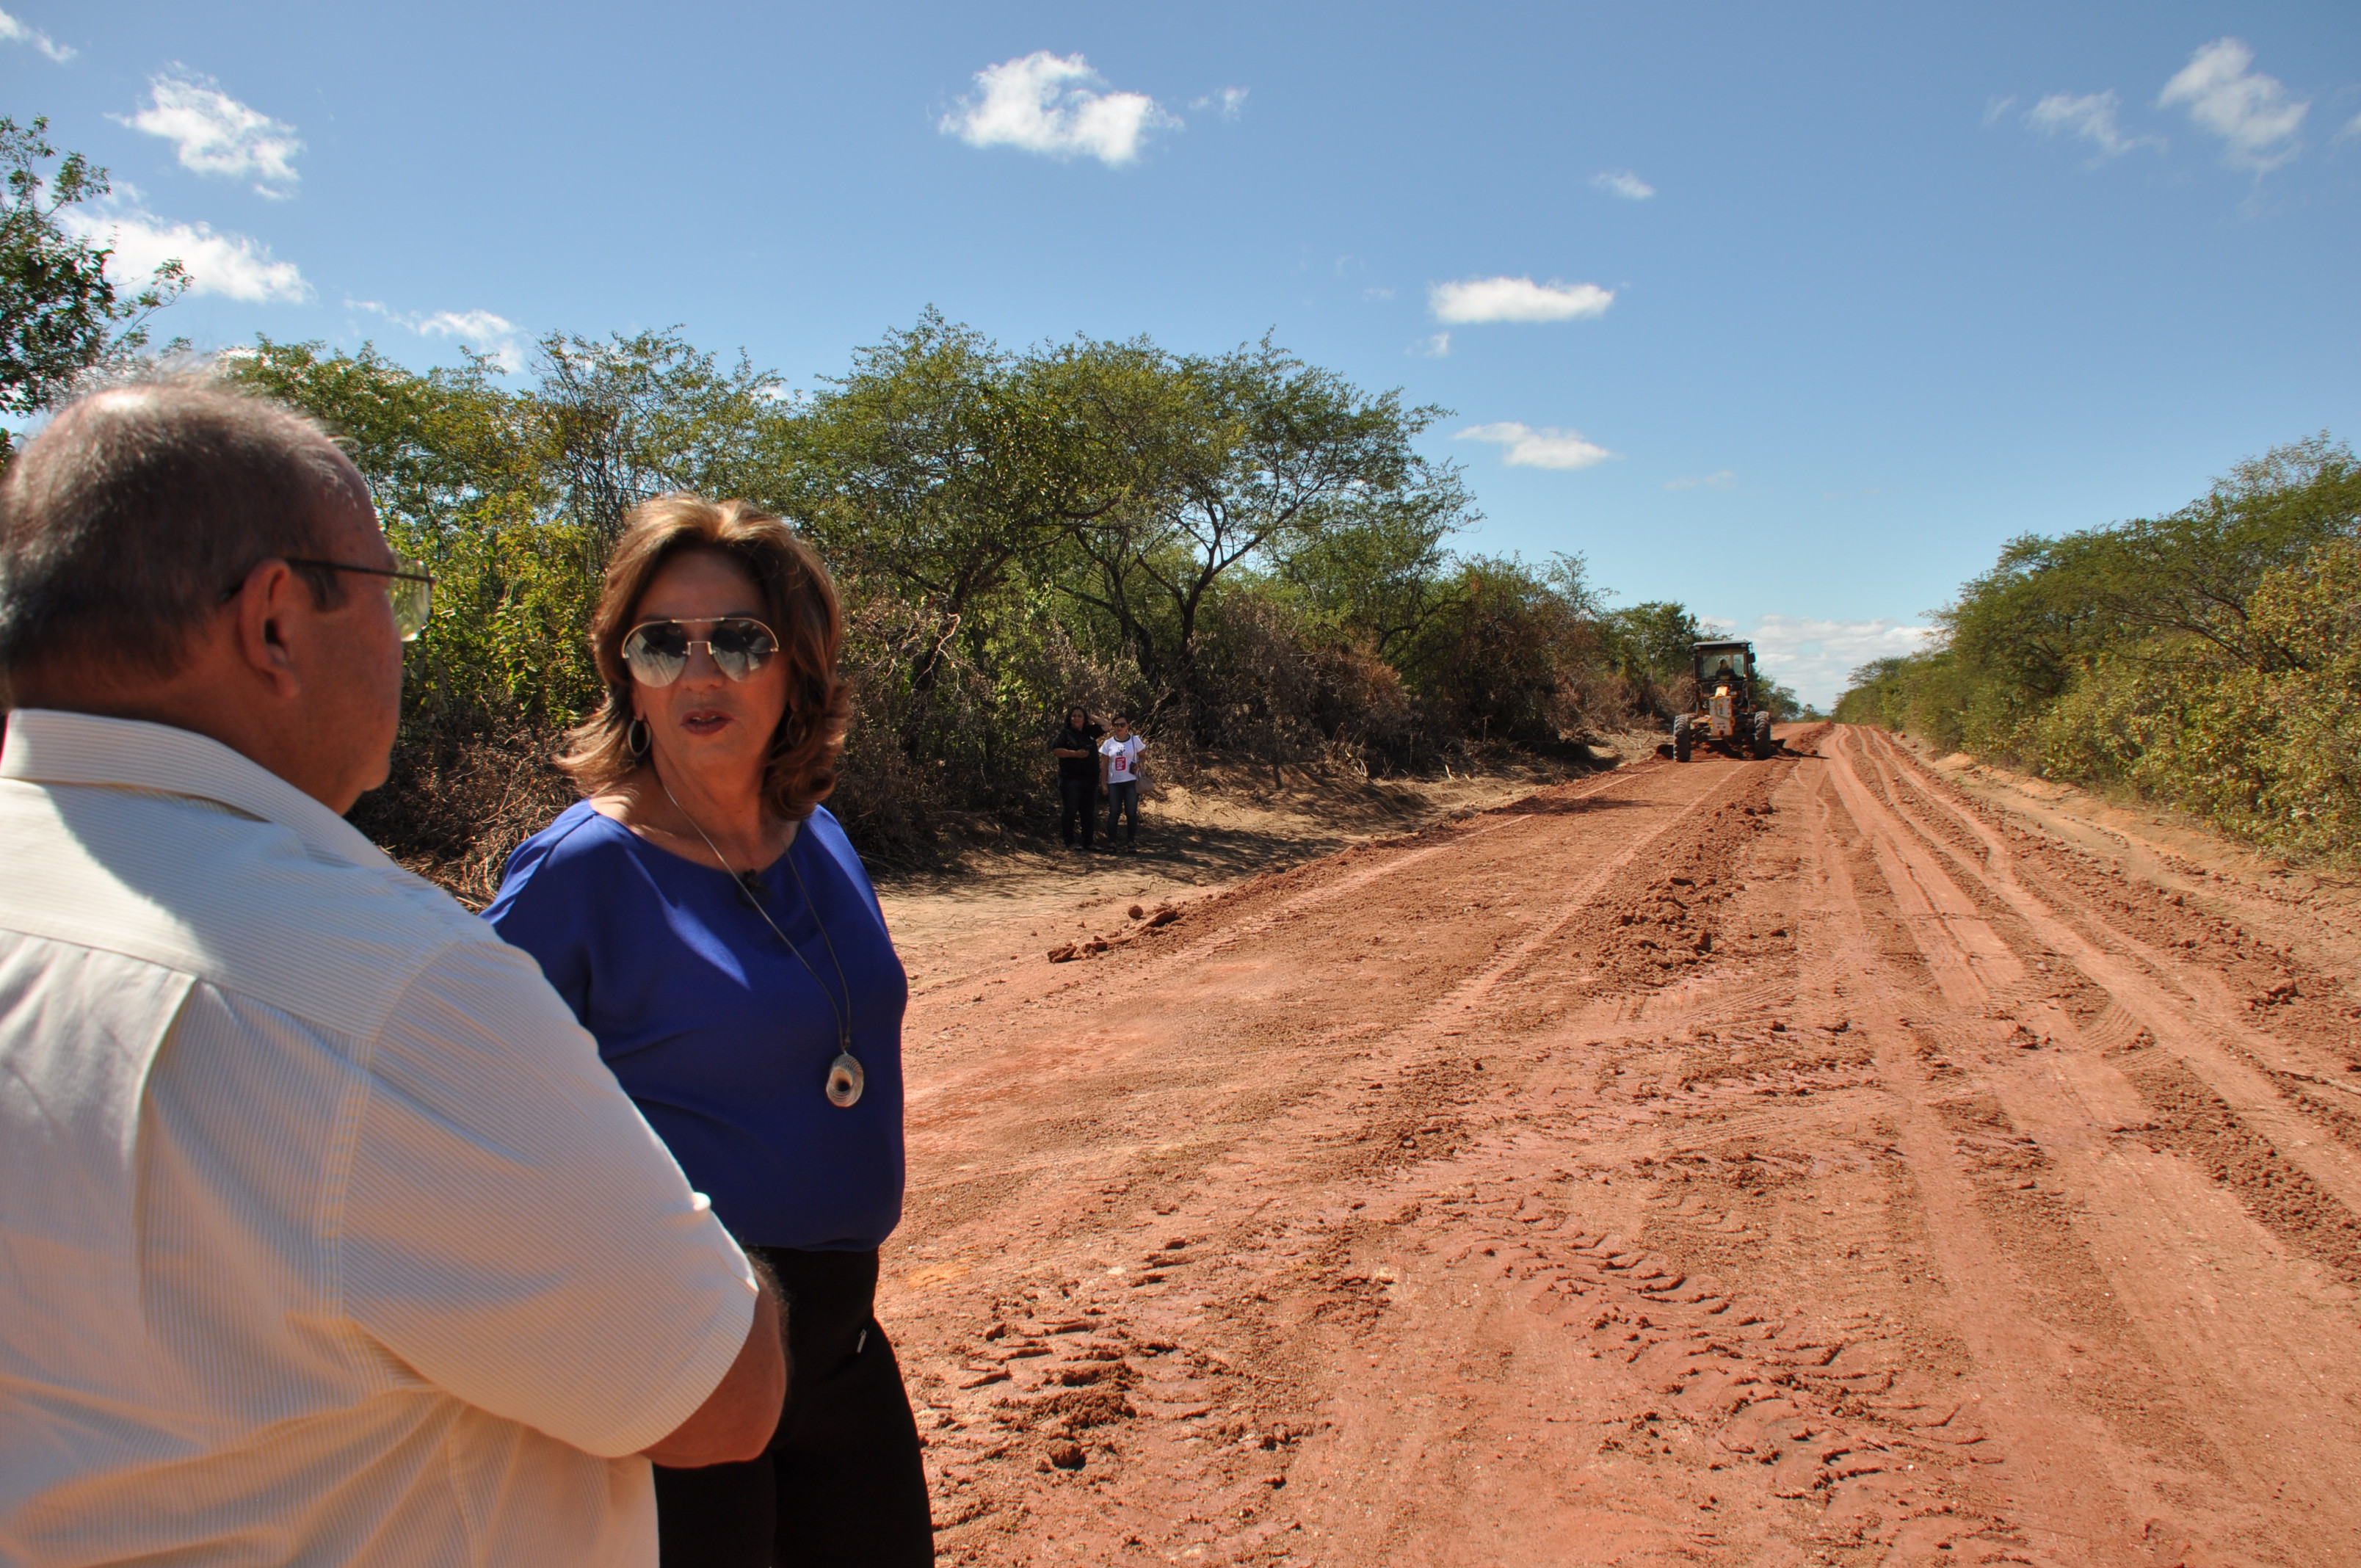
point(61, 314)
point(2203, 657)
point(1246, 549)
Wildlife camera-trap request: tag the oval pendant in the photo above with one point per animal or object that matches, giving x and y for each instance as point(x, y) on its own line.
point(844, 1080)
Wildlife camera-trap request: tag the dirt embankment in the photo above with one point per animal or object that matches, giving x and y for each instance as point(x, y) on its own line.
point(1737, 1163)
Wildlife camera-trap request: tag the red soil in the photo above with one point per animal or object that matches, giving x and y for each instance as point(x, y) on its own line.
point(1736, 1163)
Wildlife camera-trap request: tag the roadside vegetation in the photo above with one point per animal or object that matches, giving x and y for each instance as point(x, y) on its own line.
point(1246, 551)
point(2209, 660)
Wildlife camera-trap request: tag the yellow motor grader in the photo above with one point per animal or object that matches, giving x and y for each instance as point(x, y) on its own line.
point(1725, 715)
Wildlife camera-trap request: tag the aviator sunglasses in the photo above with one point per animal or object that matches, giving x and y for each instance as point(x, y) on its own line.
point(658, 651)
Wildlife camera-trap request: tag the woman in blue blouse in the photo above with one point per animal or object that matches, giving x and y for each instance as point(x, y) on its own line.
point(709, 925)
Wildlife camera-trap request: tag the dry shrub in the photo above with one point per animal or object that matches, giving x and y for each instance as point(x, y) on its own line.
point(454, 811)
point(946, 744)
point(1273, 687)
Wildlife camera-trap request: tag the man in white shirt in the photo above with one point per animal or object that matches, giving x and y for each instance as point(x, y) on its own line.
point(1119, 779)
point(324, 1235)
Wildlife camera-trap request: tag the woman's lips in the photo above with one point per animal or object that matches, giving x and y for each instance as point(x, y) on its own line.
point(704, 722)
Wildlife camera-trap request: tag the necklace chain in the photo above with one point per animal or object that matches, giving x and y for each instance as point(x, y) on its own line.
point(843, 1022)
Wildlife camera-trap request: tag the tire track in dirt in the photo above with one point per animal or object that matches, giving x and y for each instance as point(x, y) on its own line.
point(2256, 1350)
point(1652, 1172)
point(2287, 1159)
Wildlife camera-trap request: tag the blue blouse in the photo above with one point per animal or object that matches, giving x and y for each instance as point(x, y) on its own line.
point(716, 1030)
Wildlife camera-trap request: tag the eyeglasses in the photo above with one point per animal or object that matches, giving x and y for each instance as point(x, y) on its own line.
point(658, 651)
point(407, 584)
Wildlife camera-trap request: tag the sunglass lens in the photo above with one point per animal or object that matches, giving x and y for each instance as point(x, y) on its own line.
point(741, 647)
point(656, 654)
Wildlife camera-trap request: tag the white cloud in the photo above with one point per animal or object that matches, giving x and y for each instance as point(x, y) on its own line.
point(478, 325)
point(1722, 479)
point(1049, 104)
point(2090, 117)
point(228, 264)
point(1531, 448)
point(1623, 183)
point(1517, 300)
point(1230, 102)
point(1995, 107)
point(2352, 128)
point(480, 331)
point(1815, 656)
point(483, 332)
point(1436, 348)
point(2251, 111)
point(1374, 293)
point(13, 31)
point(217, 134)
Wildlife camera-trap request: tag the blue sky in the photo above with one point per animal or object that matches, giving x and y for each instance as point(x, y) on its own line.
point(1791, 313)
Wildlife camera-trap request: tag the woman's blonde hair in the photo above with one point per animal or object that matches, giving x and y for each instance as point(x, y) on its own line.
point(799, 604)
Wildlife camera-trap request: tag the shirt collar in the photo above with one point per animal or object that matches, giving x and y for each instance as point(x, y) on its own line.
point(51, 747)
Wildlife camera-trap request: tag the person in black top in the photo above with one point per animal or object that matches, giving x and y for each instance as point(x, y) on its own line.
point(1076, 746)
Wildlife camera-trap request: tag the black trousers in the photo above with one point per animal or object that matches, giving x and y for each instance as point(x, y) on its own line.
point(842, 1483)
point(1076, 802)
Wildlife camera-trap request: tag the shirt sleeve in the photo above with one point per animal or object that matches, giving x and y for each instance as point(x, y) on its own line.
point(515, 1233)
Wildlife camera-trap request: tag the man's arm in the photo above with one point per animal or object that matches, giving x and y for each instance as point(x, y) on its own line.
point(599, 1302)
point(736, 1420)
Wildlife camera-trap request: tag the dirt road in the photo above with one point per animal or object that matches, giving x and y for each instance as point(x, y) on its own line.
point(1736, 1163)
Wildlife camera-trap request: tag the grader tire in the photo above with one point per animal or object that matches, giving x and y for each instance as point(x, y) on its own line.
point(1682, 740)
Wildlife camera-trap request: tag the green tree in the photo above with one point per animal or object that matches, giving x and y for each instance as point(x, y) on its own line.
point(2192, 575)
point(2205, 658)
point(1378, 578)
point(436, 448)
point(1244, 459)
point(469, 477)
point(632, 417)
point(1650, 642)
point(947, 467)
point(1508, 656)
point(60, 312)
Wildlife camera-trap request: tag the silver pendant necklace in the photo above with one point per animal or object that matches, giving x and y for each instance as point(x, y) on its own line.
point(845, 1078)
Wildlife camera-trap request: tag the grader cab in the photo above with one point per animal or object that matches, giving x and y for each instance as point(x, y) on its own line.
point(1726, 715)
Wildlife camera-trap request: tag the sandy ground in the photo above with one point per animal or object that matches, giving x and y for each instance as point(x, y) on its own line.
point(1821, 1160)
point(992, 906)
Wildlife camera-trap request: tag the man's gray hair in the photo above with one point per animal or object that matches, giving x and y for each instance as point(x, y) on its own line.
point(126, 523)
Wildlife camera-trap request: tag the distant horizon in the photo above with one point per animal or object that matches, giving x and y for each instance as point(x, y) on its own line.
point(1795, 320)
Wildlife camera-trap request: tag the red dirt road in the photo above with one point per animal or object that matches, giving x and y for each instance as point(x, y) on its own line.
point(1736, 1163)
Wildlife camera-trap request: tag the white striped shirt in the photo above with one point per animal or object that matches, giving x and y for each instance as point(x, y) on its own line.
point(325, 1237)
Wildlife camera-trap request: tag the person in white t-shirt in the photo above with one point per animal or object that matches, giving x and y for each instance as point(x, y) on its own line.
point(326, 1236)
point(1119, 779)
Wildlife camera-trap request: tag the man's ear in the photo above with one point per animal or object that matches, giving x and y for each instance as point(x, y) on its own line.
point(272, 596)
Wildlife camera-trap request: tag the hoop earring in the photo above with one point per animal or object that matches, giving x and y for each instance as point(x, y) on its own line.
point(635, 738)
